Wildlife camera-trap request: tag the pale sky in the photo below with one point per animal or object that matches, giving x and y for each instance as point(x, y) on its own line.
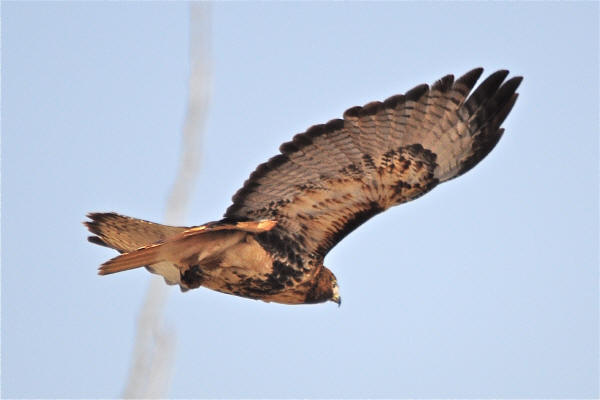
point(486, 287)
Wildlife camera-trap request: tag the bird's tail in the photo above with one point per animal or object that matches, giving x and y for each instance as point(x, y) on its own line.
point(160, 247)
point(126, 234)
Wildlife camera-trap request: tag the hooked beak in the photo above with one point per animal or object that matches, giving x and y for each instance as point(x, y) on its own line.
point(337, 300)
point(336, 296)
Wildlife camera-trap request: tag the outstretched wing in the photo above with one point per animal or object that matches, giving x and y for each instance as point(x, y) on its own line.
point(332, 178)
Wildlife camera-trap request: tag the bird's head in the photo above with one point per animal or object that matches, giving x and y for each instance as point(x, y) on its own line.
point(323, 288)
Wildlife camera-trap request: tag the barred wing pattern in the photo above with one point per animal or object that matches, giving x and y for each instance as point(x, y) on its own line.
point(332, 178)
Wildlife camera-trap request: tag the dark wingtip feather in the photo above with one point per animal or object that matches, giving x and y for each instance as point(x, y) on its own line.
point(101, 216)
point(512, 84)
point(484, 91)
point(483, 147)
point(97, 219)
point(470, 78)
point(492, 82)
point(97, 240)
point(94, 226)
point(501, 116)
point(491, 112)
point(497, 76)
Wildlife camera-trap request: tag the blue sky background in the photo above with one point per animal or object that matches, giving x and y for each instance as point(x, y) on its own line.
point(486, 287)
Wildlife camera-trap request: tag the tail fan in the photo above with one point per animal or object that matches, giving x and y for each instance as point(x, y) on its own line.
point(163, 243)
point(126, 234)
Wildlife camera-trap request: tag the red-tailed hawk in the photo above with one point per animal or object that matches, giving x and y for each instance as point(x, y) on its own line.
point(271, 243)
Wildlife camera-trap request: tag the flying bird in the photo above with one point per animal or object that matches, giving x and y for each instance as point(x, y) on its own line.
point(294, 208)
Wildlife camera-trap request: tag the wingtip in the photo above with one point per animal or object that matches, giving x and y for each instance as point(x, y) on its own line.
point(97, 240)
point(513, 83)
point(95, 215)
point(471, 77)
point(94, 227)
point(96, 220)
point(497, 77)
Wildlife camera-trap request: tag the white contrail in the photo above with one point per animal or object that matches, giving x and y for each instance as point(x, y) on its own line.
point(154, 349)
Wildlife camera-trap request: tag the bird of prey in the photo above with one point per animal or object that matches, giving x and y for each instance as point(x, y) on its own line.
point(294, 208)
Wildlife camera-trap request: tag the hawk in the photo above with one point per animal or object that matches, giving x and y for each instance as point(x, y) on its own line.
point(294, 208)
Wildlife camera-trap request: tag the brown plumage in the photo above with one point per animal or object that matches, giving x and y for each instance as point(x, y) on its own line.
point(297, 206)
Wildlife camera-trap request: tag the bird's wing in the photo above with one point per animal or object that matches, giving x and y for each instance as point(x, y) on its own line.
point(332, 178)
